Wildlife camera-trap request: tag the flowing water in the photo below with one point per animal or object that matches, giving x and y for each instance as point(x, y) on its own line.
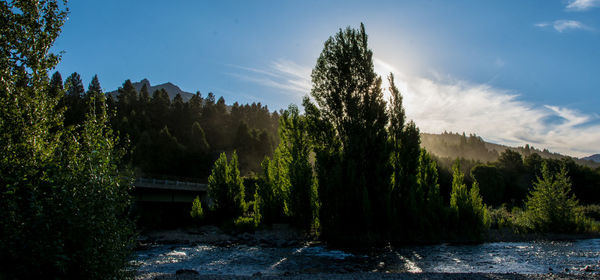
point(498, 257)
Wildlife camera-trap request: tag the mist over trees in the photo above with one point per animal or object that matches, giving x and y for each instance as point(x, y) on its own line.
point(176, 138)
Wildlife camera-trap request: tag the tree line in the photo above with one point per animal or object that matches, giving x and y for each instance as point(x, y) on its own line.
point(351, 169)
point(167, 137)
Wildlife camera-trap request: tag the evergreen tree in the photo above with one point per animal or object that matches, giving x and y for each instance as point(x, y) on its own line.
point(430, 206)
point(550, 206)
point(470, 213)
point(225, 187)
point(56, 86)
point(73, 101)
point(94, 99)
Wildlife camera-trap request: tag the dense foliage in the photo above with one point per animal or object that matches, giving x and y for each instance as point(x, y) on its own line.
point(64, 201)
point(176, 137)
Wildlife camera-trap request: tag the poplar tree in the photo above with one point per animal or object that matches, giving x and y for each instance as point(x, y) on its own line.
point(348, 126)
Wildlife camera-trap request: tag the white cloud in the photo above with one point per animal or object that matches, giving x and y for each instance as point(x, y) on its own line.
point(563, 25)
point(500, 116)
point(282, 74)
point(442, 103)
point(582, 5)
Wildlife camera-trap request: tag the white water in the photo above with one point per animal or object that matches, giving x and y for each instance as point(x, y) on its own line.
point(499, 257)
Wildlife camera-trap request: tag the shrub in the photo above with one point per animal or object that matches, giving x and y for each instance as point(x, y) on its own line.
point(197, 212)
point(500, 218)
point(244, 224)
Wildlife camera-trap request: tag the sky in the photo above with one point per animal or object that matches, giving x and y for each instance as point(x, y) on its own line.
point(512, 72)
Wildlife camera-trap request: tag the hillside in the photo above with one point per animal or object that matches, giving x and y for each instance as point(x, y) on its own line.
point(594, 158)
point(171, 89)
point(453, 145)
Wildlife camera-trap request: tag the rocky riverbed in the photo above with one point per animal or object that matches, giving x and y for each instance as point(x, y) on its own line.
point(281, 252)
point(376, 275)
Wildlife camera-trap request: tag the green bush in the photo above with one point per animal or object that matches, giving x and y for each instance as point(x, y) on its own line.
point(500, 218)
point(245, 224)
point(591, 211)
point(197, 212)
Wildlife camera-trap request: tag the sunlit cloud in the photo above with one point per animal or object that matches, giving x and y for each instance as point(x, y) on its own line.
point(563, 25)
point(442, 104)
point(582, 5)
point(282, 74)
point(498, 115)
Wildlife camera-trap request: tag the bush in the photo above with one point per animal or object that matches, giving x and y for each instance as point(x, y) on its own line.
point(244, 224)
point(591, 211)
point(197, 212)
point(500, 218)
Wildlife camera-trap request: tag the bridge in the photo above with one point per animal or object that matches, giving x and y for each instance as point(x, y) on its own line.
point(159, 190)
point(166, 203)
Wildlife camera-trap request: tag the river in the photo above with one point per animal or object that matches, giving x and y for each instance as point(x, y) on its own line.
point(498, 257)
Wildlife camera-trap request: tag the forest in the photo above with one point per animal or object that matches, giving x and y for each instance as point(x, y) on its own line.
point(349, 168)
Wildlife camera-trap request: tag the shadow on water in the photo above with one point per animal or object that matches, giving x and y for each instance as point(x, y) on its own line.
point(498, 257)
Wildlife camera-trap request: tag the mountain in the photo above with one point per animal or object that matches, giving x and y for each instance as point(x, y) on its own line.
point(453, 145)
point(172, 90)
point(594, 158)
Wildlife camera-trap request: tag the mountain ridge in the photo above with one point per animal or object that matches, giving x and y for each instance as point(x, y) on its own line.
point(454, 145)
point(171, 89)
point(594, 158)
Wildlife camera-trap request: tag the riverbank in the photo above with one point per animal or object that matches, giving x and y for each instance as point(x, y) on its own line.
point(283, 235)
point(377, 275)
point(277, 235)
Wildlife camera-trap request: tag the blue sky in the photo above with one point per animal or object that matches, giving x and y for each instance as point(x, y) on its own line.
point(514, 72)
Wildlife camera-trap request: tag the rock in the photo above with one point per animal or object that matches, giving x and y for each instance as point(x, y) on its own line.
point(257, 274)
point(186, 272)
point(588, 268)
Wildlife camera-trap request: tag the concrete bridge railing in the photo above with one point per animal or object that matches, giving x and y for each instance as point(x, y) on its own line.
point(152, 183)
